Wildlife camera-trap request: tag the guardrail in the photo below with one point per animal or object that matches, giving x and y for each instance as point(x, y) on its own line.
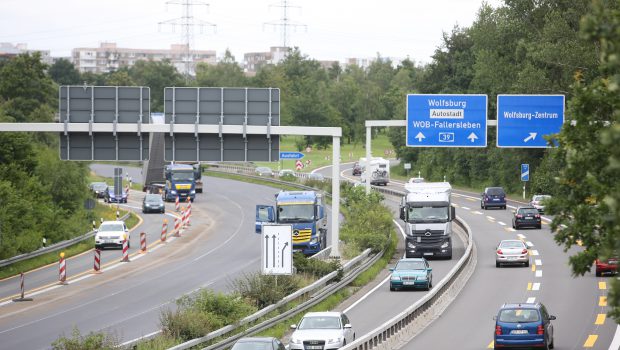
point(52, 248)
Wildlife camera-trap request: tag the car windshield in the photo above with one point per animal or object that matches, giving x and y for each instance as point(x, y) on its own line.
point(540, 198)
point(110, 227)
point(518, 315)
point(495, 191)
point(528, 211)
point(410, 265)
point(99, 186)
point(511, 244)
point(152, 198)
point(295, 213)
point(428, 214)
point(320, 322)
point(252, 345)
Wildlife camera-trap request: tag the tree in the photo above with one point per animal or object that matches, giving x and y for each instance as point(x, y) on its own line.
point(587, 206)
point(63, 72)
point(227, 73)
point(156, 75)
point(119, 78)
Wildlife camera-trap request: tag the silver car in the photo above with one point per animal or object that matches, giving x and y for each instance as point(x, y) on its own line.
point(538, 202)
point(511, 251)
point(322, 331)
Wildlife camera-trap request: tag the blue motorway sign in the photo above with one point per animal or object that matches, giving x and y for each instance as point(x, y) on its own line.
point(523, 120)
point(446, 120)
point(291, 155)
point(525, 172)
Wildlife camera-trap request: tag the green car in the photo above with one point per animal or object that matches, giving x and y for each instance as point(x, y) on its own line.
point(411, 273)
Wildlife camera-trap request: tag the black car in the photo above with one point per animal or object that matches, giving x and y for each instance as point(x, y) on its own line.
point(98, 189)
point(493, 197)
point(357, 169)
point(153, 203)
point(258, 343)
point(526, 217)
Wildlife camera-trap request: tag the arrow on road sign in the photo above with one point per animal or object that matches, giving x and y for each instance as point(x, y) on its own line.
point(531, 137)
point(472, 137)
point(420, 136)
point(266, 251)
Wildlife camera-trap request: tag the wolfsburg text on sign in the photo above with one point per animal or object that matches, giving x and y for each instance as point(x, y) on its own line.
point(529, 116)
point(446, 103)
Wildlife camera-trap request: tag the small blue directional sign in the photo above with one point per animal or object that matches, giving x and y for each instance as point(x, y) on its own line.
point(291, 155)
point(525, 172)
point(523, 120)
point(446, 120)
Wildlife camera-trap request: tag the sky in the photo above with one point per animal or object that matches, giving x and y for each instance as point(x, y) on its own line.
point(325, 29)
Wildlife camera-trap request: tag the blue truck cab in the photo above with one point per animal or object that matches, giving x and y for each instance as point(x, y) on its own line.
point(180, 181)
point(305, 211)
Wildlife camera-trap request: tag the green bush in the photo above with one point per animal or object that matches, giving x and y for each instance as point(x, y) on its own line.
point(314, 267)
point(263, 290)
point(92, 341)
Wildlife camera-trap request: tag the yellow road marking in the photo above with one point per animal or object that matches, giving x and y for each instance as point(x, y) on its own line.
point(590, 341)
point(529, 285)
point(490, 346)
point(600, 319)
point(602, 285)
point(533, 268)
point(602, 301)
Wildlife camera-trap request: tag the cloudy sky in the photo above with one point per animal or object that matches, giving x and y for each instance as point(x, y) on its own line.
point(326, 29)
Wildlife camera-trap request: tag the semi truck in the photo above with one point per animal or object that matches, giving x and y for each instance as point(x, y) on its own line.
point(377, 171)
point(427, 211)
point(305, 212)
point(180, 182)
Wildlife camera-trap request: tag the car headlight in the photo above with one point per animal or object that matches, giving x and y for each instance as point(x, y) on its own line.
point(314, 240)
point(296, 341)
point(334, 340)
point(173, 191)
point(410, 245)
point(395, 278)
point(193, 191)
point(445, 245)
point(421, 278)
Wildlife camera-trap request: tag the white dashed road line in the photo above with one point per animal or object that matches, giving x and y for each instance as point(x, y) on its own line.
point(531, 300)
point(501, 223)
point(538, 273)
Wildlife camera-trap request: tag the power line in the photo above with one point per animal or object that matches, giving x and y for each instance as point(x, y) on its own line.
point(285, 22)
point(188, 22)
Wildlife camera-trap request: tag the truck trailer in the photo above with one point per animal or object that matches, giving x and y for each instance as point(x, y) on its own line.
point(428, 213)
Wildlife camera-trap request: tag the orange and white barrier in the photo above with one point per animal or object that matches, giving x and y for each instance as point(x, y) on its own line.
point(177, 227)
point(176, 204)
point(125, 250)
point(97, 263)
point(189, 214)
point(21, 289)
point(127, 191)
point(62, 270)
point(142, 242)
point(164, 230)
point(183, 218)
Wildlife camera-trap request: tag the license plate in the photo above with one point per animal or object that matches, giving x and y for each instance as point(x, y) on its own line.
point(408, 283)
point(429, 253)
point(512, 258)
point(529, 217)
point(496, 199)
point(314, 347)
point(108, 241)
point(519, 331)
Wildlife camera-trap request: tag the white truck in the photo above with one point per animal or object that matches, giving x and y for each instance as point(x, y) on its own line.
point(428, 213)
point(378, 171)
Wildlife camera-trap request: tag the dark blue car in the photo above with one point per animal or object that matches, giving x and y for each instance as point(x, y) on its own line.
point(523, 326)
point(493, 197)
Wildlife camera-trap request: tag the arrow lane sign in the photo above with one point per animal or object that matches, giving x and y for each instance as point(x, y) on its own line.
point(531, 137)
point(472, 137)
point(420, 136)
point(266, 251)
point(283, 249)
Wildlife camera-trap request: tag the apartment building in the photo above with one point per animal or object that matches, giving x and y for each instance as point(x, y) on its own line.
point(253, 61)
point(8, 50)
point(109, 58)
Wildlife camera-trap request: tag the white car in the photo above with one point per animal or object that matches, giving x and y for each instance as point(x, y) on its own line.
point(111, 234)
point(538, 202)
point(286, 172)
point(322, 331)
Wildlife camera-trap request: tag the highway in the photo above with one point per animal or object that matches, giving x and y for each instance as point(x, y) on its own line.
point(219, 246)
point(578, 302)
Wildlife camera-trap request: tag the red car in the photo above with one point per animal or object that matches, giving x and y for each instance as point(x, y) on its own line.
point(606, 266)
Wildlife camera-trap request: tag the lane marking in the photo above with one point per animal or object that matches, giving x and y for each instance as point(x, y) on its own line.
point(490, 218)
point(531, 300)
point(615, 343)
point(471, 199)
point(529, 285)
point(539, 262)
point(476, 212)
point(521, 236)
point(536, 286)
point(491, 344)
point(590, 341)
point(602, 285)
point(534, 252)
point(501, 223)
point(539, 273)
point(533, 267)
point(600, 319)
point(466, 208)
point(509, 229)
point(602, 301)
point(529, 244)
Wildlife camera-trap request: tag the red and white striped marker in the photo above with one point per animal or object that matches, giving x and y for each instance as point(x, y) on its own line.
point(125, 250)
point(127, 191)
point(176, 204)
point(164, 230)
point(142, 242)
point(177, 227)
point(189, 213)
point(183, 217)
point(97, 263)
point(21, 289)
point(62, 269)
